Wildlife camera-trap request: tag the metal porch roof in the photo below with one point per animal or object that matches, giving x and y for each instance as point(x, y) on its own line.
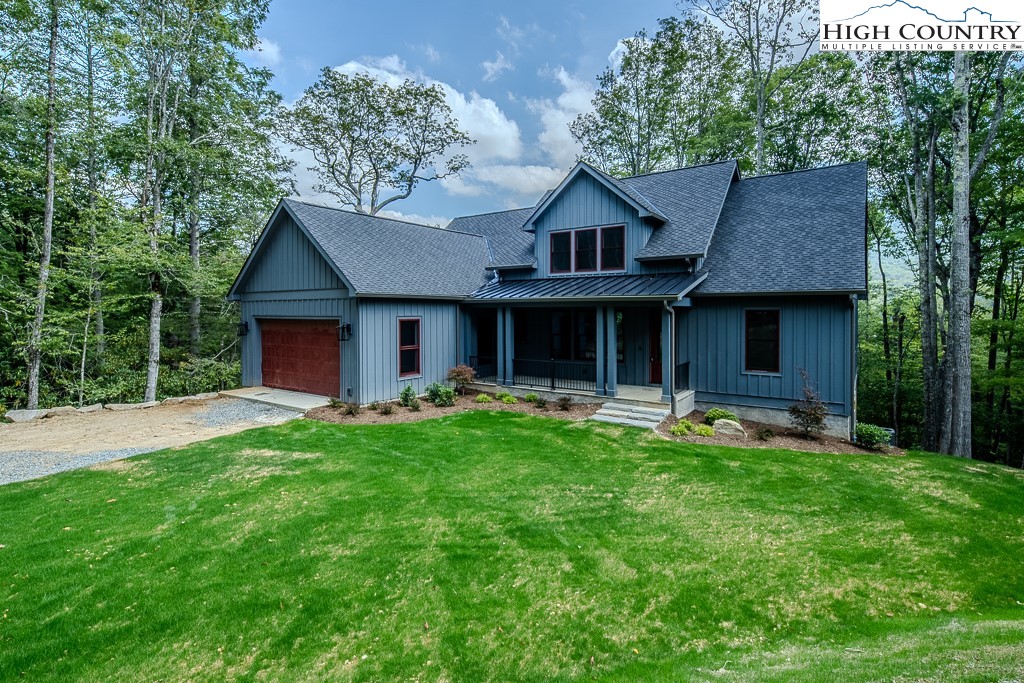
point(605, 287)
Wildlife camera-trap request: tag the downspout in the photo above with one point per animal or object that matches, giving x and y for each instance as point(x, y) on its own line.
point(672, 360)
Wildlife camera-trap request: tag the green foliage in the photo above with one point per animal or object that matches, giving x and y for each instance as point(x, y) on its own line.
point(541, 403)
point(704, 430)
point(407, 395)
point(414, 405)
point(809, 413)
point(501, 394)
point(716, 414)
point(335, 403)
point(871, 436)
point(350, 408)
point(564, 402)
point(764, 434)
point(460, 376)
point(483, 398)
point(530, 398)
point(432, 391)
point(374, 405)
point(508, 399)
point(445, 397)
point(682, 428)
point(386, 408)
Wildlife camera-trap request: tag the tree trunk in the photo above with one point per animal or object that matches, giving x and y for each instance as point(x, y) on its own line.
point(93, 180)
point(36, 330)
point(993, 347)
point(925, 184)
point(959, 349)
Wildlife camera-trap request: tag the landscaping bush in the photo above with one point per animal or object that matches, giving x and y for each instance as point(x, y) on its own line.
point(3, 413)
point(335, 403)
point(564, 402)
point(374, 406)
point(871, 436)
point(531, 398)
point(414, 405)
point(704, 430)
point(809, 413)
point(352, 409)
point(460, 376)
point(682, 428)
point(541, 403)
point(407, 395)
point(716, 414)
point(509, 399)
point(764, 433)
point(445, 397)
point(387, 408)
point(484, 398)
point(501, 394)
point(432, 391)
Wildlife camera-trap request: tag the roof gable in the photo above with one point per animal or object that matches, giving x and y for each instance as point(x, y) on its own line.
point(508, 245)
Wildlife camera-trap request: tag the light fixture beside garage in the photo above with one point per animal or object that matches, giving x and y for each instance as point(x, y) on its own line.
point(243, 328)
point(344, 331)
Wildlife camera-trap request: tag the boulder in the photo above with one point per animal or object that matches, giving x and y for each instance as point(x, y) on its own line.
point(208, 396)
point(25, 415)
point(118, 407)
point(149, 404)
point(175, 400)
point(94, 408)
point(729, 428)
point(62, 410)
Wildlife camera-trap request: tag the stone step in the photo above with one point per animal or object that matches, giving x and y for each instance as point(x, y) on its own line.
point(636, 409)
point(646, 424)
point(629, 415)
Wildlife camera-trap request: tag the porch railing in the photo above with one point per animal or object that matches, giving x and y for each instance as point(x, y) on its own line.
point(555, 374)
point(486, 368)
point(683, 376)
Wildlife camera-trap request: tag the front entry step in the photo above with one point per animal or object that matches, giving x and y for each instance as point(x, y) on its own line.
point(632, 416)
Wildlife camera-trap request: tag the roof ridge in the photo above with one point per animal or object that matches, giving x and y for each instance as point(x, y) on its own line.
point(806, 170)
point(681, 168)
point(381, 218)
point(491, 213)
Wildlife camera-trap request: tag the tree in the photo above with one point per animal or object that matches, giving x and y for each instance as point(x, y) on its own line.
point(374, 143)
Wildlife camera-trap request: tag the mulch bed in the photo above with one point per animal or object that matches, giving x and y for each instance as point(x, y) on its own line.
point(577, 411)
point(783, 438)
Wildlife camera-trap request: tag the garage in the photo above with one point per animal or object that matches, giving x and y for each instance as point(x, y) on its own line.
point(301, 355)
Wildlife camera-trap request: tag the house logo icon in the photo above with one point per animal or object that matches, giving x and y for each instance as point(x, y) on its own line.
point(929, 25)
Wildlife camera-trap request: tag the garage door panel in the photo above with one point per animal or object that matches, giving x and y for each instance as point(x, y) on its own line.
point(301, 355)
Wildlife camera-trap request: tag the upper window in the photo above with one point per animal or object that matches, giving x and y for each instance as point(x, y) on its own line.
point(408, 347)
point(762, 340)
point(589, 250)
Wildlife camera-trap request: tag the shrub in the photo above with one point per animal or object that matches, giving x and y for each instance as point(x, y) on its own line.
point(445, 397)
point(704, 430)
point(501, 394)
point(387, 408)
point(871, 436)
point(764, 433)
point(484, 398)
point(531, 398)
point(3, 413)
point(809, 413)
point(716, 414)
point(374, 406)
point(460, 376)
point(335, 403)
point(509, 399)
point(414, 405)
point(407, 395)
point(432, 390)
point(352, 409)
point(682, 428)
point(564, 402)
point(541, 403)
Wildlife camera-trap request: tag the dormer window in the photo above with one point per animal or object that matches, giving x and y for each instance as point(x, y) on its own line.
point(589, 250)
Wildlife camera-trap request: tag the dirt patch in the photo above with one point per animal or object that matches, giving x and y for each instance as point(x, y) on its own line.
point(162, 426)
point(577, 411)
point(783, 438)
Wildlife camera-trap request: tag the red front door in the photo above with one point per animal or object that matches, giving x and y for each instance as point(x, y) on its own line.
point(301, 355)
point(655, 347)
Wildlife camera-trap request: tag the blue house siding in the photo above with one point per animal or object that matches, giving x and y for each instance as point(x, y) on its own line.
point(377, 335)
point(816, 335)
point(289, 262)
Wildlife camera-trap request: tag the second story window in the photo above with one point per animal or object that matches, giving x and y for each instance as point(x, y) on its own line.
point(589, 250)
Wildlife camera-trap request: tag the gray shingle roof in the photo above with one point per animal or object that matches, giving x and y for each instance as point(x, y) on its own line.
point(631, 191)
point(591, 287)
point(509, 244)
point(793, 232)
point(379, 256)
point(691, 199)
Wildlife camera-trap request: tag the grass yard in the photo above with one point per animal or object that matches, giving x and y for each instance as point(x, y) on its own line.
point(502, 546)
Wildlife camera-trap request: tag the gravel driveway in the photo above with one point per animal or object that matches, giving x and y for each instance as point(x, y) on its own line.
point(68, 442)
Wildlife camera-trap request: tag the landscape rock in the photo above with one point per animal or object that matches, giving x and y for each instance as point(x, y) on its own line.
point(25, 415)
point(94, 408)
point(208, 396)
point(174, 400)
point(118, 407)
point(62, 410)
point(729, 428)
point(149, 404)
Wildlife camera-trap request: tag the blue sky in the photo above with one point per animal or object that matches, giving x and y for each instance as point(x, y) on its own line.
point(514, 74)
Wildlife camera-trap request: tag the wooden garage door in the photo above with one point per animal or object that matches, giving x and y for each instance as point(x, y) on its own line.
point(301, 355)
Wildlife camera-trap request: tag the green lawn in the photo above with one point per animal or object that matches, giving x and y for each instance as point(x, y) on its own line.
point(501, 546)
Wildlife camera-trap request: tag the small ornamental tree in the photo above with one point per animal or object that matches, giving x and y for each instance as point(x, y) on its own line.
point(461, 376)
point(809, 413)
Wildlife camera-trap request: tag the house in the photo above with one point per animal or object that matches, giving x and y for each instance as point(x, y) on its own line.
point(689, 288)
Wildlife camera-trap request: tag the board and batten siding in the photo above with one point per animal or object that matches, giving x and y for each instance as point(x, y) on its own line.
point(289, 262)
point(816, 335)
point(585, 203)
point(378, 345)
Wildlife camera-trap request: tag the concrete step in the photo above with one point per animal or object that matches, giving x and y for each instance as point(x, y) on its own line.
point(630, 415)
point(646, 424)
point(636, 409)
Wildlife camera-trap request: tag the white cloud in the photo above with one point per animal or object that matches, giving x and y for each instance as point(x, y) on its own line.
point(492, 70)
point(526, 181)
point(510, 33)
point(267, 52)
point(435, 221)
point(432, 54)
point(555, 138)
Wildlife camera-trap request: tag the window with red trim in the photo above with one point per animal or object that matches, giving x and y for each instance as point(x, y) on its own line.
point(762, 340)
point(613, 248)
point(588, 250)
point(408, 347)
point(561, 252)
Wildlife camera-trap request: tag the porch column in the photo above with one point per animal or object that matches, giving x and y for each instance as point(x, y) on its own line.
point(668, 359)
point(611, 378)
point(500, 360)
point(509, 347)
point(601, 352)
